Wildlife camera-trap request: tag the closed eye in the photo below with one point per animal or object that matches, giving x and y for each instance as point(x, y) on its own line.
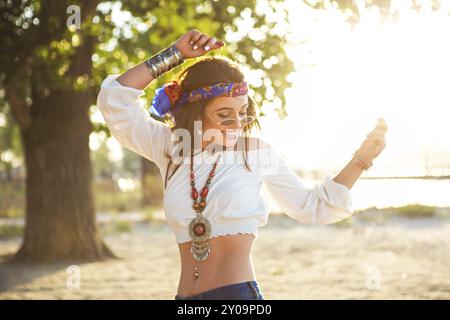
point(227, 115)
point(242, 114)
point(229, 108)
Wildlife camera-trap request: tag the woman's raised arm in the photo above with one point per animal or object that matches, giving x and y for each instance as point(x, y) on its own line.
point(191, 45)
point(137, 77)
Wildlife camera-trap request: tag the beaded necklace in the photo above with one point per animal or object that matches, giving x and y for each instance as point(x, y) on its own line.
point(200, 227)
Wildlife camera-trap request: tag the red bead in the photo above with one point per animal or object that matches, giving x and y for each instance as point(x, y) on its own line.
point(194, 194)
point(211, 174)
point(192, 176)
point(204, 192)
point(199, 229)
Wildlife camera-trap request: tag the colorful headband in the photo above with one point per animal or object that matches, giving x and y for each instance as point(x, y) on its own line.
point(170, 96)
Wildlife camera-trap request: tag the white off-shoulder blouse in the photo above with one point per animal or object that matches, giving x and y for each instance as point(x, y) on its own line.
point(236, 202)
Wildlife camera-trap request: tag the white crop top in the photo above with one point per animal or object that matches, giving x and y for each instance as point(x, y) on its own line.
point(235, 202)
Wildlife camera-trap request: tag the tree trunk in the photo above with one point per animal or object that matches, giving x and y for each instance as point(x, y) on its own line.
point(60, 215)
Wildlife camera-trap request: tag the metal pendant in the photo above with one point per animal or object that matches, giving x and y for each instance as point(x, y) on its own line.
point(200, 231)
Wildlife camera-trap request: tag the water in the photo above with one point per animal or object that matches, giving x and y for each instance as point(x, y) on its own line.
point(399, 192)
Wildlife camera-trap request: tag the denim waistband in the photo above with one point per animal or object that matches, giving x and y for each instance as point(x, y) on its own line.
point(246, 290)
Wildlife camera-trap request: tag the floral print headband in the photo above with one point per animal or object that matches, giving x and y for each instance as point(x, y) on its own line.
point(170, 96)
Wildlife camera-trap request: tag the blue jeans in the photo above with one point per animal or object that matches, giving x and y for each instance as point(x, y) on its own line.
point(248, 290)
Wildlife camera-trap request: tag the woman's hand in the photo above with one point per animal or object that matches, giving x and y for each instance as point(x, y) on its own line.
point(375, 141)
point(194, 44)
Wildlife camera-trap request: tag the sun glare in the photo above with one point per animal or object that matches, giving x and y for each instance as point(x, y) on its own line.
point(346, 78)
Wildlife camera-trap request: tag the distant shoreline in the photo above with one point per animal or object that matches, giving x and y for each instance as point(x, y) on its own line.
point(445, 177)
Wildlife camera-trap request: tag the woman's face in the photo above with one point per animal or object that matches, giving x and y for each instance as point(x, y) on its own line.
point(219, 109)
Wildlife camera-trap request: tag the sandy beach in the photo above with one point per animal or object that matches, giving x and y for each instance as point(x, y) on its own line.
point(402, 258)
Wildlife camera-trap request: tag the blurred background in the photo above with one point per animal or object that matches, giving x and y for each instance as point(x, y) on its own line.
point(72, 199)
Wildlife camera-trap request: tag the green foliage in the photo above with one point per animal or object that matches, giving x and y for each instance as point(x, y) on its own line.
point(40, 54)
point(109, 198)
point(12, 199)
point(103, 167)
point(344, 223)
point(123, 226)
point(415, 211)
point(150, 213)
point(116, 227)
point(373, 215)
point(10, 143)
point(12, 231)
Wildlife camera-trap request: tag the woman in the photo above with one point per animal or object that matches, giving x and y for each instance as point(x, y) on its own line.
point(212, 199)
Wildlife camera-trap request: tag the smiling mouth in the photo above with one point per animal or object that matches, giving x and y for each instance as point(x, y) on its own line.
point(232, 135)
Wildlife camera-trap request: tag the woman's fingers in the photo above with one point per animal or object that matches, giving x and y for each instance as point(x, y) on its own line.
point(378, 130)
point(381, 125)
point(195, 43)
point(194, 36)
point(381, 121)
point(200, 41)
point(210, 43)
point(379, 142)
point(219, 44)
point(376, 133)
point(376, 138)
point(375, 141)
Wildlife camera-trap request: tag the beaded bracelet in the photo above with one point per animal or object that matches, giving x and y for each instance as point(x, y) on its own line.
point(360, 162)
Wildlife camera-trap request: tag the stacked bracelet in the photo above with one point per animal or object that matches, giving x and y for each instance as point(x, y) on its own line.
point(360, 162)
point(164, 61)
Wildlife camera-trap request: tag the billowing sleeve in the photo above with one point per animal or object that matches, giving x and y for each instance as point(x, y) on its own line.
point(130, 124)
point(325, 203)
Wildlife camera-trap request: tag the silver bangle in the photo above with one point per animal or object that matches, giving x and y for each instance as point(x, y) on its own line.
point(164, 61)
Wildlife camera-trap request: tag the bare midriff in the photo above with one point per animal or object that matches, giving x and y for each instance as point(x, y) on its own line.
point(229, 262)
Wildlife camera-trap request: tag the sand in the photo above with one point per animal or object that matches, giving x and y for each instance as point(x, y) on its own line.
point(399, 259)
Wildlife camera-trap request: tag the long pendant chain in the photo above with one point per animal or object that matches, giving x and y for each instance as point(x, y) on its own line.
point(200, 227)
